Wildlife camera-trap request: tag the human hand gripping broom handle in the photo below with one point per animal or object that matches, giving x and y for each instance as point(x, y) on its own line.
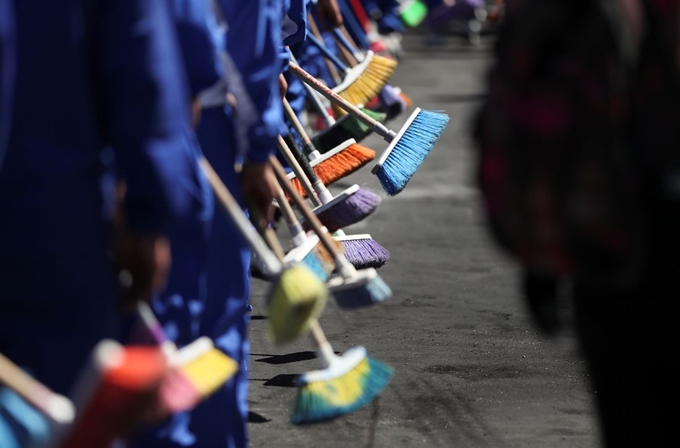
point(316, 101)
point(343, 266)
point(377, 127)
point(234, 210)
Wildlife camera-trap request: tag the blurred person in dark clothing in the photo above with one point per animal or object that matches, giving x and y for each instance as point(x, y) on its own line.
point(580, 171)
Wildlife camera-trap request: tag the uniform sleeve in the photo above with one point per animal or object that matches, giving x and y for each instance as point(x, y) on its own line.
point(144, 109)
point(253, 42)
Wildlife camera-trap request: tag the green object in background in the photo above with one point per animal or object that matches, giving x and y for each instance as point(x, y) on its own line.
point(412, 13)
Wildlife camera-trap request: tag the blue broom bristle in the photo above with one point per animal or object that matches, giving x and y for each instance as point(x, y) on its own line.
point(410, 151)
point(319, 402)
point(374, 291)
point(365, 253)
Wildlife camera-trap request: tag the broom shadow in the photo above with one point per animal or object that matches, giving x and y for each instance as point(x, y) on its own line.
point(254, 417)
point(288, 358)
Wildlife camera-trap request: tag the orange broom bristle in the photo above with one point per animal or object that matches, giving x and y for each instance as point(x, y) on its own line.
point(342, 164)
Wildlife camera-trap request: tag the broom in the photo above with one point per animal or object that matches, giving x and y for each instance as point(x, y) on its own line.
point(196, 371)
point(114, 394)
point(339, 131)
point(296, 296)
point(407, 149)
point(361, 83)
point(334, 165)
point(351, 288)
point(361, 250)
point(390, 101)
point(346, 382)
point(347, 208)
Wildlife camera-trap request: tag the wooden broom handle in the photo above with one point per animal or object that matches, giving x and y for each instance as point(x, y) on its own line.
point(311, 218)
point(331, 68)
point(306, 184)
point(19, 381)
point(286, 209)
point(234, 210)
point(295, 121)
point(336, 99)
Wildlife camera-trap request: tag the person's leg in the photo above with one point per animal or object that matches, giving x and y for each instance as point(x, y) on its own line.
point(630, 342)
point(221, 421)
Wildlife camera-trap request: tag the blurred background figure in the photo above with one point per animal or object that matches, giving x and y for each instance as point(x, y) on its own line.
point(469, 15)
point(578, 166)
point(84, 75)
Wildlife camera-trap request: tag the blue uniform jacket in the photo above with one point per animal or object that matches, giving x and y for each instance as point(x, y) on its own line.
point(253, 41)
point(92, 73)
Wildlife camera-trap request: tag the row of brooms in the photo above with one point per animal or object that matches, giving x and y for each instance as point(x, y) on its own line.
point(128, 385)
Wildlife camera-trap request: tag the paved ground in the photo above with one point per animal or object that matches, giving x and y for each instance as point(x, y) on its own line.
point(470, 369)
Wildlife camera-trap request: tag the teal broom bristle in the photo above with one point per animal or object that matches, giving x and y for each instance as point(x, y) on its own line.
point(313, 407)
point(316, 266)
point(410, 150)
point(365, 290)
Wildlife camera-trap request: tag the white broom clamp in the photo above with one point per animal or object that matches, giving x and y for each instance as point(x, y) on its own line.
point(359, 236)
point(394, 142)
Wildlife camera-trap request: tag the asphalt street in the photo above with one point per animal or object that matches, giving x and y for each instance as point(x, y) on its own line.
point(470, 369)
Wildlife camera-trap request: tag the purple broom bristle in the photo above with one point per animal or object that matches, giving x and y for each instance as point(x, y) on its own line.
point(349, 211)
point(365, 253)
point(391, 102)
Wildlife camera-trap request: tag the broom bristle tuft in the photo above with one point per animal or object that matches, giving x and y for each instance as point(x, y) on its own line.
point(325, 400)
point(348, 211)
point(409, 152)
point(295, 301)
point(365, 253)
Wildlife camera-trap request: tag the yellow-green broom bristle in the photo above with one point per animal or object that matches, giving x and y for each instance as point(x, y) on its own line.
point(329, 398)
point(369, 83)
point(210, 371)
point(296, 300)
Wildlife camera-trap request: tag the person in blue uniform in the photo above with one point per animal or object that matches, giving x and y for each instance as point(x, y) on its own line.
point(230, 52)
point(89, 74)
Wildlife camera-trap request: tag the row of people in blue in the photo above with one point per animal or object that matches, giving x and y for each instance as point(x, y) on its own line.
point(100, 97)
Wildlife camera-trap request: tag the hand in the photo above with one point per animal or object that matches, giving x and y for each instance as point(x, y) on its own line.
point(329, 14)
point(142, 261)
point(143, 266)
point(283, 85)
point(259, 188)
